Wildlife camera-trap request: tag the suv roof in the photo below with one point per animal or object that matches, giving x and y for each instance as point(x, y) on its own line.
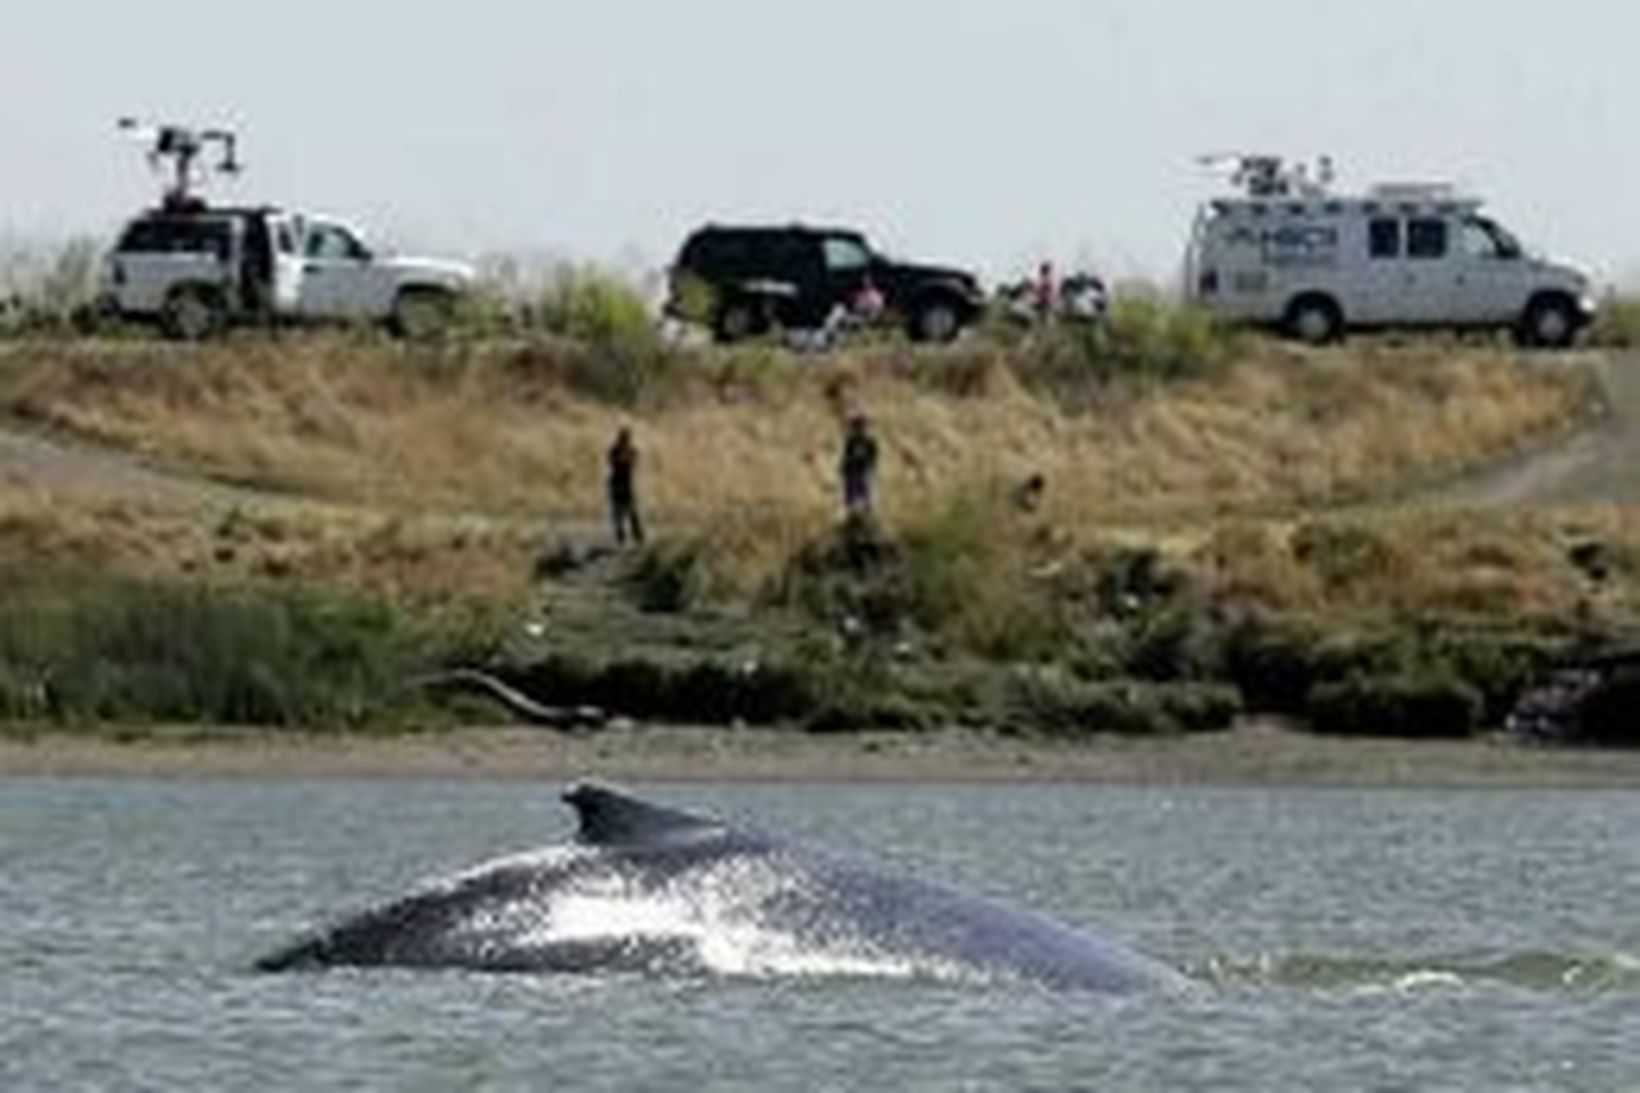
point(769, 229)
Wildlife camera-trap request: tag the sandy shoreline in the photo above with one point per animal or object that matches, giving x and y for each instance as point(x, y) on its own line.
point(1252, 755)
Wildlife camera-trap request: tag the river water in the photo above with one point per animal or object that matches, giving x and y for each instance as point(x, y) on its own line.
point(1402, 940)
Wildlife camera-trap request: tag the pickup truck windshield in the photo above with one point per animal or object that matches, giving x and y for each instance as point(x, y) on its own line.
point(333, 243)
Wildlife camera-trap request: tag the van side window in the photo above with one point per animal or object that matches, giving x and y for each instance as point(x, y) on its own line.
point(1384, 238)
point(1426, 238)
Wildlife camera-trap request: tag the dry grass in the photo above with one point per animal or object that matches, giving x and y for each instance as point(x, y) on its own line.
point(425, 563)
point(1565, 569)
point(753, 436)
point(444, 460)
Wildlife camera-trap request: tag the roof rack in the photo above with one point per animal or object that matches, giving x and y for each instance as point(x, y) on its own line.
point(1414, 191)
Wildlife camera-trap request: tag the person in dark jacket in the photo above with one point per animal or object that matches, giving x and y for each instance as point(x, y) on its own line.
point(622, 488)
point(858, 466)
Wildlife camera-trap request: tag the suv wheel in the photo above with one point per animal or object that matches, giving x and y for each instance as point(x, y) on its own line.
point(935, 321)
point(1549, 323)
point(1314, 320)
point(192, 313)
point(422, 314)
point(736, 320)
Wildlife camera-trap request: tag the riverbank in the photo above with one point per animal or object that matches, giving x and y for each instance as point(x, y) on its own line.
point(1212, 536)
point(1256, 753)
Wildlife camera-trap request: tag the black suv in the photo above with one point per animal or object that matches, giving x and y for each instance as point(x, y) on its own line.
point(743, 281)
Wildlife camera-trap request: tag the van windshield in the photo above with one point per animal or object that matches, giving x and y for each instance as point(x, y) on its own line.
point(1486, 238)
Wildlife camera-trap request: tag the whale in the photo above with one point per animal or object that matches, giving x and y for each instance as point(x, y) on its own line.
point(645, 888)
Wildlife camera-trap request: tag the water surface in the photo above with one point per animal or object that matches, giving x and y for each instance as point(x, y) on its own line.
point(1348, 940)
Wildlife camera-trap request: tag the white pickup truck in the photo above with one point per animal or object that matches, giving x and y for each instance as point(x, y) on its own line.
point(198, 271)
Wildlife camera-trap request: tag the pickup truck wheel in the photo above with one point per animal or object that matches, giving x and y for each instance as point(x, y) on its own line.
point(422, 314)
point(736, 321)
point(935, 321)
point(1314, 320)
point(1549, 323)
point(192, 314)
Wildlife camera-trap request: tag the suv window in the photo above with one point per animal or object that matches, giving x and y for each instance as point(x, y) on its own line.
point(177, 237)
point(1426, 238)
point(718, 251)
point(330, 243)
point(284, 237)
point(1384, 238)
point(790, 255)
point(845, 255)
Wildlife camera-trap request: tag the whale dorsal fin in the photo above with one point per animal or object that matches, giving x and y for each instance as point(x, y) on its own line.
point(611, 818)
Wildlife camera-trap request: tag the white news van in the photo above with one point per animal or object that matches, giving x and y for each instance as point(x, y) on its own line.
point(1286, 252)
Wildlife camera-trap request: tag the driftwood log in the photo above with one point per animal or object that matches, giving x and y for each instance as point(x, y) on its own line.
point(514, 701)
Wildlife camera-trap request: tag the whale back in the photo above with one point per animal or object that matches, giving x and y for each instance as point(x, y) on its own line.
point(648, 888)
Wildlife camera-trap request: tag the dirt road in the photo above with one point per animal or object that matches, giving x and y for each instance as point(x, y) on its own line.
point(1597, 465)
point(35, 461)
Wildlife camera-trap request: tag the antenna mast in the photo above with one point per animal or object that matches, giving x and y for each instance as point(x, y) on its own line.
point(181, 147)
point(1267, 176)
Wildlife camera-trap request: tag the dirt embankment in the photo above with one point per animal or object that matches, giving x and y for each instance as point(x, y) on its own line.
point(1257, 754)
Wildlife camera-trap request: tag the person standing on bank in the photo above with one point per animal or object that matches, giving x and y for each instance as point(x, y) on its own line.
point(859, 466)
point(622, 487)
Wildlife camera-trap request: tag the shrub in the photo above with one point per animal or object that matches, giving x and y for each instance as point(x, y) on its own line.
point(1617, 324)
point(615, 352)
point(1273, 662)
point(1146, 339)
point(968, 575)
point(1051, 701)
point(1500, 667)
point(55, 294)
point(160, 653)
point(1430, 704)
point(1610, 715)
point(851, 577)
point(676, 689)
point(1346, 555)
point(1154, 339)
point(668, 577)
point(1180, 641)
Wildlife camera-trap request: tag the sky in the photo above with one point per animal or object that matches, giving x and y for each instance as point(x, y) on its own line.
point(989, 133)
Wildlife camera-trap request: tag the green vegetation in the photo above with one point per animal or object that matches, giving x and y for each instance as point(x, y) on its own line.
point(95, 651)
point(50, 294)
point(1617, 326)
point(1146, 340)
point(977, 615)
